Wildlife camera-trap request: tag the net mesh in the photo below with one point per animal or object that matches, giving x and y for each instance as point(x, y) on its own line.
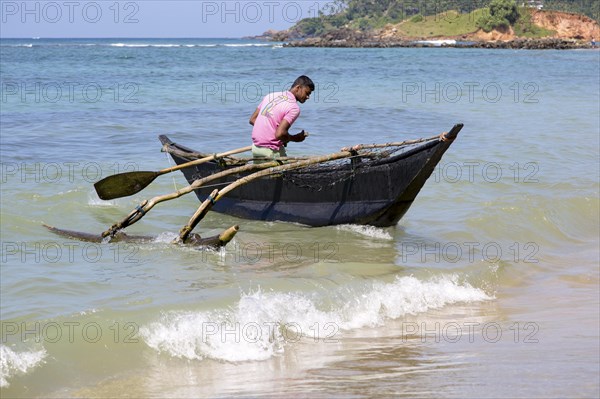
point(324, 174)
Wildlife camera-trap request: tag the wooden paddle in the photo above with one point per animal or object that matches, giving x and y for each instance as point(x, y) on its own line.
point(140, 211)
point(129, 183)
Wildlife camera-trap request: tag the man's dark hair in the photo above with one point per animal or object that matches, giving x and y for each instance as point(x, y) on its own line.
point(304, 81)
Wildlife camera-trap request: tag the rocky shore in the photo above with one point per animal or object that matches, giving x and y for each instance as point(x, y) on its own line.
point(528, 44)
point(537, 44)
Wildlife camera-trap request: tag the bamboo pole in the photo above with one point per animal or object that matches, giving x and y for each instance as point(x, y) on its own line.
point(140, 211)
point(229, 160)
point(359, 147)
point(215, 241)
point(205, 159)
point(218, 194)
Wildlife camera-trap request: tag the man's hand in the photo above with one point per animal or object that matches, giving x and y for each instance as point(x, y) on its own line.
point(298, 138)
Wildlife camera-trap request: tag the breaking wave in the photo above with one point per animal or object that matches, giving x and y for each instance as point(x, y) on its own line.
point(262, 323)
point(13, 363)
point(143, 45)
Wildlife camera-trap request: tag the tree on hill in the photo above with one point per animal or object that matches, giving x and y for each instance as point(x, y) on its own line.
point(366, 15)
point(503, 13)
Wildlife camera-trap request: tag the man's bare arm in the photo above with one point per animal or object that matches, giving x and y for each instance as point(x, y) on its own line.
point(254, 116)
point(283, 134)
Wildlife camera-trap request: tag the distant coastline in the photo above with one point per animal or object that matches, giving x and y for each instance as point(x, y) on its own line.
point(525, 44)
point(541, 30)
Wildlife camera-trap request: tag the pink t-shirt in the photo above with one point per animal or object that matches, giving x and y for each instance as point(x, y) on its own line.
point(273, 109)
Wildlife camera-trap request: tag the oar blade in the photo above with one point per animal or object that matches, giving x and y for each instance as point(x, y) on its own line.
point(124, 184)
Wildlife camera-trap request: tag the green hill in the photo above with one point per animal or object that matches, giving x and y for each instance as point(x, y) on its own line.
point(425, 19)
point(453, 23)
point(450, 23)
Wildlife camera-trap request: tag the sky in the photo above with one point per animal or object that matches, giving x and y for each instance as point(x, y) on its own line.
point(151, 18)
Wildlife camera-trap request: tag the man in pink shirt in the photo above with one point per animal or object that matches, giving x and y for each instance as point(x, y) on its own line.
point(274, 116)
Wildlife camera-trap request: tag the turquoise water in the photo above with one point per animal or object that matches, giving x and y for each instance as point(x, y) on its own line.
point(488, 287)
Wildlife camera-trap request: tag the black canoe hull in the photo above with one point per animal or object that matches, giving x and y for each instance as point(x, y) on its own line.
point(378, 195)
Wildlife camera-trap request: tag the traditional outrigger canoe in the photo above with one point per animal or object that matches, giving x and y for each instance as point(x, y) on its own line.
point(371, 184)
point(375, 185)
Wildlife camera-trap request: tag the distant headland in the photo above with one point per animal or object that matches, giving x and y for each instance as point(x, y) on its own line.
point(391, 23)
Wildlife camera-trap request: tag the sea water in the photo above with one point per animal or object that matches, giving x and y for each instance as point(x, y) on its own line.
point(488, 287)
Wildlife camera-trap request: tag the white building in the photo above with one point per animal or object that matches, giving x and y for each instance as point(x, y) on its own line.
point(538, 4)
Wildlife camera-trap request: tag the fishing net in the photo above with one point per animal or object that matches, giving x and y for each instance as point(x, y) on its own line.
point(323, 174)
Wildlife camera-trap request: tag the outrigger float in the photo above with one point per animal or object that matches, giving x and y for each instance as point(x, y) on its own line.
point(368, 184)
point(194, 239)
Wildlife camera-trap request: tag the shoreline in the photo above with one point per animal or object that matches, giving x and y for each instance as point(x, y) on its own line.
point(522, 44)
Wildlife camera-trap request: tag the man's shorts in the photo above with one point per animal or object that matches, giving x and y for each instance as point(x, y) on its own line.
point(267, 153)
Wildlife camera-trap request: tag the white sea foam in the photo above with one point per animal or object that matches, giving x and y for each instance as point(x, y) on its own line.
point(93, 200)
point(29, 45)
point(136, 45)
point(145, 45)
point(249, 45)
point(13, 363)
point(166, 237)
point(262, 323)
point(87, 312)
point(163, 45)
point(127, 45)
point(437, 42)
point(369, 231)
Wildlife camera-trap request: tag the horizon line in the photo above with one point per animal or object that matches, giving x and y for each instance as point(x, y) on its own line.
point(130, 37)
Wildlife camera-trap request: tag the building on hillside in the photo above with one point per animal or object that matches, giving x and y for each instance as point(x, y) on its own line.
point(537, 4)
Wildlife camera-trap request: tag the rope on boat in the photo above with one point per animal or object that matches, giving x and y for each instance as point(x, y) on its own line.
point(164, 149)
